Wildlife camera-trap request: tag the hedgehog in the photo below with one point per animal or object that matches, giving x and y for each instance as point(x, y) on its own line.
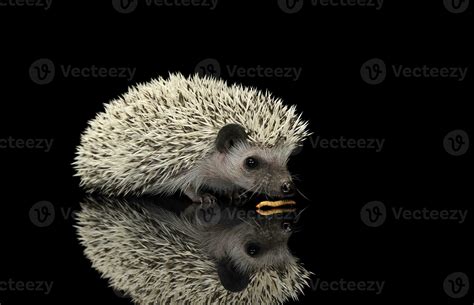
point(156, 256)
point(195, 135)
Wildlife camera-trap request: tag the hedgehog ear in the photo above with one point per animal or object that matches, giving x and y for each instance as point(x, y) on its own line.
point(231, 278)
point(229, 135)
point(296, 150)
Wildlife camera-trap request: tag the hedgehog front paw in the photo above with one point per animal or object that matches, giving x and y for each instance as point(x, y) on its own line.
point(207, 199)
point(202, 198)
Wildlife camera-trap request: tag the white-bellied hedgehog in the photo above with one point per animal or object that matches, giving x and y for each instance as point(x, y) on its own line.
point(190, 135)
point(159, 257)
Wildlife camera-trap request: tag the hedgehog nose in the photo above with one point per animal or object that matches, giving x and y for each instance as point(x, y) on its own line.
point(288, 188)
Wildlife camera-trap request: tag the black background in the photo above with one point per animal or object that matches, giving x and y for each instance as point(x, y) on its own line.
point(330, 44)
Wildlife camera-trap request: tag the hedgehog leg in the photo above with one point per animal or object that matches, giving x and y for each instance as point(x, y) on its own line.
point(200, 197)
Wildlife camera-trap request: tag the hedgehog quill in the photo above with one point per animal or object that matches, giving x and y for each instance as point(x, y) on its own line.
point(196, 135)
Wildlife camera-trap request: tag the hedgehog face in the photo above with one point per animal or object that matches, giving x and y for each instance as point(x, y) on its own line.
point(261, 244)
point(250, 246)
point(253, 168)
point(261, 170)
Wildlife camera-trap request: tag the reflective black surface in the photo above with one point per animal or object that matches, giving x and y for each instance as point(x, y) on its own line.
point(153, 252)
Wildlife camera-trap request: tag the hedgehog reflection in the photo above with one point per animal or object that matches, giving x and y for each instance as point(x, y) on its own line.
point(198, 256)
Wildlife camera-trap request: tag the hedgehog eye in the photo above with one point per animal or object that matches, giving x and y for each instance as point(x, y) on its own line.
point(251, 162)
point(252, 249)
